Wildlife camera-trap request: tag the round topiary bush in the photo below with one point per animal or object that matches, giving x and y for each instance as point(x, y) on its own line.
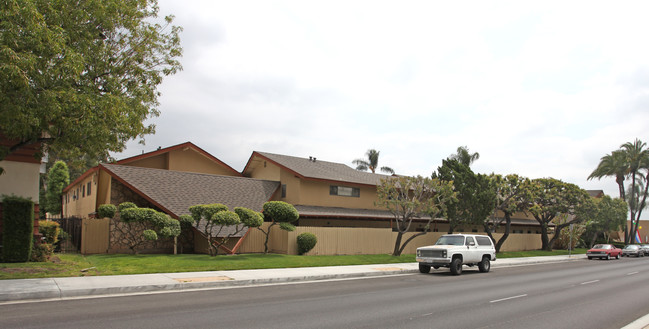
point(305, 242)
point(106, 211)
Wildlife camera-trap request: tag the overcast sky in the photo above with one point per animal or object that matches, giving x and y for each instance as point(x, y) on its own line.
point(542, 89)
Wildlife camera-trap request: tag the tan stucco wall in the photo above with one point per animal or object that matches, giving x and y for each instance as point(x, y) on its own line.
point(157, 162)
point(103, 188)
point(316, 193)
point(20, 179)
point(190, 160)
point(264, 170)
point(84, 204)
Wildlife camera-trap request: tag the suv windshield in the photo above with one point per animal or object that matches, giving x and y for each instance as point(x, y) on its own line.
point(450, 240)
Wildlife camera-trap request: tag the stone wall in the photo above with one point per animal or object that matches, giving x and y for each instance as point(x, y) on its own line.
point(117, 240)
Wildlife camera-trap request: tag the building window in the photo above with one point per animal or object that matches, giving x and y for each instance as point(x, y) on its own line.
point(88, 188)
point(345, 191)
point(83, 191)
point(283, 190)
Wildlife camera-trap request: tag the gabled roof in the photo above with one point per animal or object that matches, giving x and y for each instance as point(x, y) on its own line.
point(176, 147)
point(175, 191)
point(595, 193)
point(318, 169)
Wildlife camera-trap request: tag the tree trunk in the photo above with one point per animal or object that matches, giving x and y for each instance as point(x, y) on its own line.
point(397, 244)
point(545, 245)
point(508, 225)
point(407, 241)
point(592, 241)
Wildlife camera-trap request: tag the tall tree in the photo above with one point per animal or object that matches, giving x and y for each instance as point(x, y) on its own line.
point(371, 163)
point(610, 215)
point(551, 198)
point(408, 198)
point(82, 76)
point(464, 157)
point(637, 159)
point(512, 195)
point(612, 165)
point(476, 196)
point(57, 179)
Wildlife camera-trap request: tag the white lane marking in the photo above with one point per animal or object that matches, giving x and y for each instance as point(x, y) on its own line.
point(632, 273)
point(507, 298)
point(589, 282)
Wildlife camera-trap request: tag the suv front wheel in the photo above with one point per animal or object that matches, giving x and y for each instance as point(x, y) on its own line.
point(424, 268)
point(456, 266)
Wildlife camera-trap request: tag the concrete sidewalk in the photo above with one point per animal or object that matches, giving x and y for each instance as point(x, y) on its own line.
point(69, 287)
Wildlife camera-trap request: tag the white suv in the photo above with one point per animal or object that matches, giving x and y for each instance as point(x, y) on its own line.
point(455, 250)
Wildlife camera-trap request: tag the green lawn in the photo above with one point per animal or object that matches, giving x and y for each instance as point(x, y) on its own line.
point(79, 265)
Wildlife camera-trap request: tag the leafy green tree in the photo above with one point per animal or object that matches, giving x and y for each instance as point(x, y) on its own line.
point(610, 215)
point(464, 157)
point(278, 213)
point(512, 194)
point(551, 198)
point(408, 198)
point(476, 195)
point(371, 163)
point(57, 179)
point(82, 76)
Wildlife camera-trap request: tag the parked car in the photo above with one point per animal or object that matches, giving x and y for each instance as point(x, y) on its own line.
point(604, 251)
point(632, 250)
point(645, 249)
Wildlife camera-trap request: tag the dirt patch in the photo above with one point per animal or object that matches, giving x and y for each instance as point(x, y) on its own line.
point(22, 270)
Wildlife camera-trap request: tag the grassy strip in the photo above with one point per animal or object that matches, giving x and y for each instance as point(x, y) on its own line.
point(79, 265)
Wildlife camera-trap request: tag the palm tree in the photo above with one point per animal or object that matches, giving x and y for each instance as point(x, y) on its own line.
point(371, 163)
point(637, 159)
point(464, 157)
point(612, 165)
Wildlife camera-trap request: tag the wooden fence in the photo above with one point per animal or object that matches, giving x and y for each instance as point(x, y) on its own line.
point(361, 241)
point(331, 240)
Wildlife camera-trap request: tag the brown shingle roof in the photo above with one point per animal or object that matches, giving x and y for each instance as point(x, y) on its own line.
point(323, 170)
point(176, 191)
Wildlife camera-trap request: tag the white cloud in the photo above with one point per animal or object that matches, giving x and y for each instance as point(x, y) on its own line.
point(537, 88)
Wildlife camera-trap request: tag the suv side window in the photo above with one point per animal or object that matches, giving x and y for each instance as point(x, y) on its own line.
point(483, 240)
point(470, 240)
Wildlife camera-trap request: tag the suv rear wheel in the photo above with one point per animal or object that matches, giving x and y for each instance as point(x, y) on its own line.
point(485, 265)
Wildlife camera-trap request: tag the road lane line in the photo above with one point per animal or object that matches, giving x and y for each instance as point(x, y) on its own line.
point(507, 298)
point(589, 282)
point(632, 273)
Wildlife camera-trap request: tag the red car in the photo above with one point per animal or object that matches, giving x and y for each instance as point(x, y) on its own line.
point(604, 251)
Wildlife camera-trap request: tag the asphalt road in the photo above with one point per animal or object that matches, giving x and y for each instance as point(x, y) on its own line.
point(579, 294)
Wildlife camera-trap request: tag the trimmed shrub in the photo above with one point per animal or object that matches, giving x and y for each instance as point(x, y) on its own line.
point(126, 205)
point(42, 252)
point(17, 229)
point(106, 211)
point(50, 231)
point(280, 211)
point(249, 218)
point(305, 242)
point(150, 235)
